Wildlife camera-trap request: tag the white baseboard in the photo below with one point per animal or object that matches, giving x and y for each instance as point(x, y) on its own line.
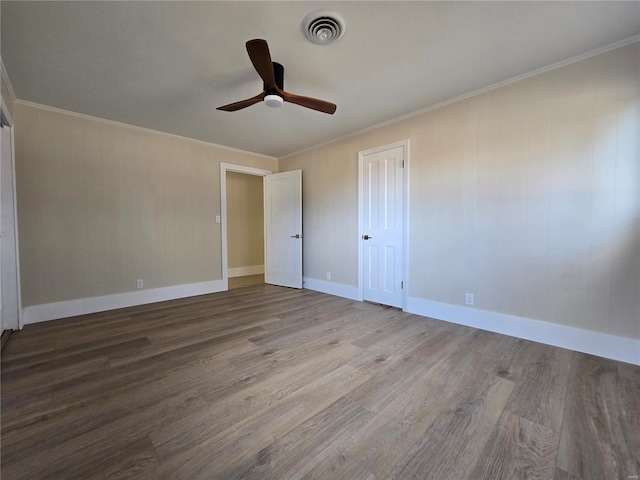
point(585, 341)
point(332, 288)
point(242, 271)
point(83, 306)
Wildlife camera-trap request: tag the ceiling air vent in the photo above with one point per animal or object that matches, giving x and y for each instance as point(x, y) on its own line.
point(323, 26)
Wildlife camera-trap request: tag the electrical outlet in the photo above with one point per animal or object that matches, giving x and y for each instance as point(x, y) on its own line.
point(139, 283)
point(469, 298)
point(328, 275)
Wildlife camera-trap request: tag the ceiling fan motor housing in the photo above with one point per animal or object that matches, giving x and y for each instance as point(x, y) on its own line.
point(272, 97)
point(278, 71)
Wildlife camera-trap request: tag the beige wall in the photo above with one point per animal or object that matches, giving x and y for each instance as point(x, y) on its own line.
point(101, 205)
point(528, 196)
point(245, 220)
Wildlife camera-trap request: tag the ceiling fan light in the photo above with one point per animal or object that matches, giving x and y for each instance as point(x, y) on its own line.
point(273, 101)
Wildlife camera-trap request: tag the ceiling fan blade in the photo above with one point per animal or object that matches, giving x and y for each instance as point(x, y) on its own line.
point(258, 51)
point(313, 103)
point(232, 107)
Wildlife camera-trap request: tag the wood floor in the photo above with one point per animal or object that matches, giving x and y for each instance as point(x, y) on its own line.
point(245, 281)
point(273, 383)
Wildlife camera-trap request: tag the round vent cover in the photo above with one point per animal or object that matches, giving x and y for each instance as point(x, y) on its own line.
point(323, 26)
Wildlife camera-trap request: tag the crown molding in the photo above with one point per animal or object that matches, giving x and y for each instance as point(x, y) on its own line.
point(135, 127)
point(494, 86)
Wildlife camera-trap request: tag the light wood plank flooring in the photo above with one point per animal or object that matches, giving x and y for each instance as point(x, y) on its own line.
point(274, 383)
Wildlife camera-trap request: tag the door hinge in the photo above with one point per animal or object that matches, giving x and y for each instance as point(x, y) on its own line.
point(402, 164)
point(402, 285)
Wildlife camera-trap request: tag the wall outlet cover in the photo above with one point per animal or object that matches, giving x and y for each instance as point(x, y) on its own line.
point(469, 298)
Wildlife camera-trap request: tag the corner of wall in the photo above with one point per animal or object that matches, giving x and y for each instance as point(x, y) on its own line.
point(6, 90)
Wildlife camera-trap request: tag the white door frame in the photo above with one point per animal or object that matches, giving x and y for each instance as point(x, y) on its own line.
point(7, 115)
point(224, 168)
point(405, 213)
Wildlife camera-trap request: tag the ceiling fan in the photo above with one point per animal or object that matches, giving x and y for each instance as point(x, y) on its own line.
point(272, 75)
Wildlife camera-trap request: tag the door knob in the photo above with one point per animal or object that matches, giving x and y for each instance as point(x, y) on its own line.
point(366, 237)
point(297, 235)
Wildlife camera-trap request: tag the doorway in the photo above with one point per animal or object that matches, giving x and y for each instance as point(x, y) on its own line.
point(233, 177)
point(282, 224)
point(245, 229)
point(383, 224)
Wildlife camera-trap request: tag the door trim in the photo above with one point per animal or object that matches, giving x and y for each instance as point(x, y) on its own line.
point(224, 168)
point(7, 115)
point(405, 213)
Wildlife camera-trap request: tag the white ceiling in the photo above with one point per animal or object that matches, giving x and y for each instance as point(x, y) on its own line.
point(168, 65)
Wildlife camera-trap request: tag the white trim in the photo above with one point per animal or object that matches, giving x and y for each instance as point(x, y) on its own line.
point(5, 110)
point(83, 306)
point(5, 77)
point(493, 86)
point(242, 271)
point(231, 167)
point(135, 127)
point(224, 168)
point(332, 288)
point(405, 233)
point(360, 221)
point(15, 228)
point(595, 343)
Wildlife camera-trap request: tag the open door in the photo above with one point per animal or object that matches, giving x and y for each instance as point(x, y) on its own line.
point(283, 229)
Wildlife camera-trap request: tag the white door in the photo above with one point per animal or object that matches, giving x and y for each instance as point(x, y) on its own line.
point(8, 247)
point(383, 226)
point(283, 229)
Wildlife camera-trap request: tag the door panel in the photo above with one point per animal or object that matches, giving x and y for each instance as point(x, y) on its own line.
point(383, 225)
point(8, 247)
point(283, 229)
